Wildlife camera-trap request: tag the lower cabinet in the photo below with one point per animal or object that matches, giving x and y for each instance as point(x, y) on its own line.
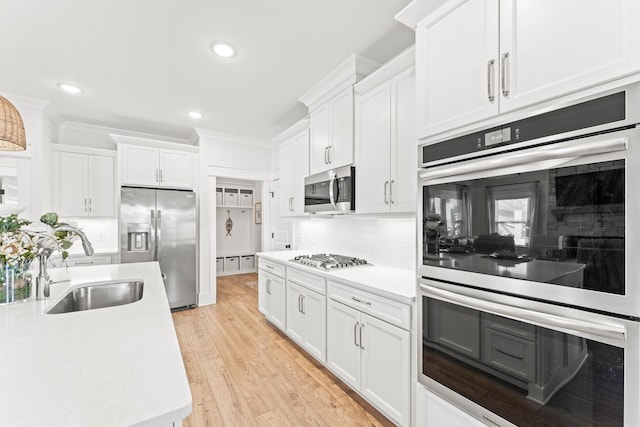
point(371, 356)
point(306, 319)
point(271, 298)
point(433, 411)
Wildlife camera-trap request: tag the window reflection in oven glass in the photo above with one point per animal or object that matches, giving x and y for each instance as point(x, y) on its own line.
point(564, 226)
point(527, 374)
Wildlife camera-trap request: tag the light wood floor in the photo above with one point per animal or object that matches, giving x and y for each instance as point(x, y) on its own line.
point(244, 372)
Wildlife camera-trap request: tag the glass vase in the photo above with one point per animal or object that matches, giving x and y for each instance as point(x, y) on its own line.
point(15, 282)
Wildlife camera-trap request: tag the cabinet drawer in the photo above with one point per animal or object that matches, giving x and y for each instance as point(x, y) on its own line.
point(308, 280)
point(523, 330)
point(507, 353)
point(271, 267)
point(385, 309)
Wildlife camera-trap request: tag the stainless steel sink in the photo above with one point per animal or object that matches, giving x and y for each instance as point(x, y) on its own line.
point(99, 295)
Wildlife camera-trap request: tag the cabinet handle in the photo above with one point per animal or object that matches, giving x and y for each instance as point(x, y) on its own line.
point(83, 263)
point(290, 204)
point(89, 205)
point(161, 175)
point(355, 334)
point(361, 328)
point(269, 267)
point(302, 304)
point(391, 191)
point(157, 175)
point(329, 154)
point(490, 77)
point(326, 156)
point(505, 74)
point(269, 286)
point(386, 184)
point(515, 356)
point(85, 205)
point(360, 301)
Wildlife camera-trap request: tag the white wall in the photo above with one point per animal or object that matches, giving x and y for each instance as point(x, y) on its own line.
point(223, 156)
point(384, 241)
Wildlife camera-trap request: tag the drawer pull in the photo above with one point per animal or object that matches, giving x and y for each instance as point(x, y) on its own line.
point(515, 356)
point(270, 267)
point(360, 301)
point(355, 334)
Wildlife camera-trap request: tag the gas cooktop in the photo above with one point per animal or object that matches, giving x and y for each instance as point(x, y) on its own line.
point(328, 261)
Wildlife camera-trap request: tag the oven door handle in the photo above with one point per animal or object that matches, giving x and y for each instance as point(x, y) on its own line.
point(561, 153)
point(547, 320)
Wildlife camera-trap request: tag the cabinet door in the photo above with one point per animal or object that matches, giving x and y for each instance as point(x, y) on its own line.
point(101, 186)
point(343, 349)
point(264, 299)
point(295, 316)
point(73, 184)
point(320, 135)
point(176, 169)
point(454, 327)
point(455, 80)
point(286, 173)
point(278, 302)
point(554, 50)
point(386, 363)
point(341, 124)
point(373, 121)
point(300, 160)
point(404, 167)
point(140, 165)
point(314, 306)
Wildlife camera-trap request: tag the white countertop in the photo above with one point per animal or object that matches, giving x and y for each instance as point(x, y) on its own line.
point(116, 366)
point(393, 283)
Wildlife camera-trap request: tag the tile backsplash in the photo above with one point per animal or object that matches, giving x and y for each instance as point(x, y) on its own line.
point(383, 241)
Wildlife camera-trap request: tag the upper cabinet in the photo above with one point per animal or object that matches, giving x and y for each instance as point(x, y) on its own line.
point(293, 163)
point(332, 133)
point(330, 104)
point(479, 58)
point(386, 138)
point(151, 166)
point(83, 182)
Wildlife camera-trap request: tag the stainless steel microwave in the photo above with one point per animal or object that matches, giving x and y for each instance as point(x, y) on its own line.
point(331, 192)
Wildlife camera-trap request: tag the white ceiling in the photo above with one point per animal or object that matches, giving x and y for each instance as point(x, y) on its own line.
point(144, 63)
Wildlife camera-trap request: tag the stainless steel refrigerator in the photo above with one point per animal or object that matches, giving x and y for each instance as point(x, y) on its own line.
point(160, 225)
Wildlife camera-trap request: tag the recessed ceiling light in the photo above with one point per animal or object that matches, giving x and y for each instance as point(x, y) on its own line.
point(224, 49)
point(195, 115)
point(70, 88)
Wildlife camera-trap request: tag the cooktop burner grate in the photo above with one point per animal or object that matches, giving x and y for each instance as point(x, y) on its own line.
point(328, 261)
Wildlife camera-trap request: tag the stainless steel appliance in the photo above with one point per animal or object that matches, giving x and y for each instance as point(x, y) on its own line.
point(331, 192)
point(328, 261)
point(160, 225)
point(528, 290)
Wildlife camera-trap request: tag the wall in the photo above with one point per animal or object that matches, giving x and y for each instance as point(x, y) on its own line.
point(223, 156)
point(384, 241)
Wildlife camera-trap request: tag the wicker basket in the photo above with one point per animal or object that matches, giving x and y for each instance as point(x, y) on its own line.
point(12, 137)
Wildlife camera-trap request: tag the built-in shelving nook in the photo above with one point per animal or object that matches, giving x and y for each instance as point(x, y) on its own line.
point(238, 226)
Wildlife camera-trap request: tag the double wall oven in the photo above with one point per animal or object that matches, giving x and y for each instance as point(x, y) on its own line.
point(529, 296)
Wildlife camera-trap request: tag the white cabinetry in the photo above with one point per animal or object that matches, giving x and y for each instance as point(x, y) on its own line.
point(513, 54)
point(293, 158)
point(271, 292)
point(330, 103)
point(83, 184)
point(368, 353)
point(386, 139)
point(332, 133)
point(155, 167)
point(306, 311)
point(433, 411)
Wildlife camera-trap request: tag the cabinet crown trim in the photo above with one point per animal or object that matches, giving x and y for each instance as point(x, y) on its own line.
point(83, 150)
point(349, 72)
point(134, 140)
point(416, 11)
point(395, 66)
point(292, 131)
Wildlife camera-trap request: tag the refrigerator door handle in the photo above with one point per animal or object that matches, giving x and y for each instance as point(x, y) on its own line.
point(158, 235)
point(153, 234)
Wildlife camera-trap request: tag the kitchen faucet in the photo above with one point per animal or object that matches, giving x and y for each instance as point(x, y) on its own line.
point(43, 281)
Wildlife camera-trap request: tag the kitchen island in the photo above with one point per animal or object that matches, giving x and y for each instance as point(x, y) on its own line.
point(110, 366)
